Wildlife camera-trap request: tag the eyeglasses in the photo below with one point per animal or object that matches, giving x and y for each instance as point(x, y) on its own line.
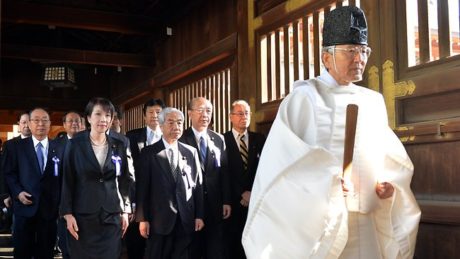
point(363, 51)
point(37, 121)
point(242, 114)
point(201, 110)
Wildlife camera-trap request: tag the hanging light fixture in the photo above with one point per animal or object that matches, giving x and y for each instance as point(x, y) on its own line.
point(59, 76)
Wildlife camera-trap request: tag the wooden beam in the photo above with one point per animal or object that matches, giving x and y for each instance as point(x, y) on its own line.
point(18, 103)
point(76, 56)
point(14, 11)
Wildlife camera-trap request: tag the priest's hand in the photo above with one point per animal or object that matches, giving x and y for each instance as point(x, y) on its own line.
point(384, 190)
point(347, 187)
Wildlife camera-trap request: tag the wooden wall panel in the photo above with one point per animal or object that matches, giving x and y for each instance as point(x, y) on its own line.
point(437, 167)
point(439, 106)
point(440, 241)
point(206, 25)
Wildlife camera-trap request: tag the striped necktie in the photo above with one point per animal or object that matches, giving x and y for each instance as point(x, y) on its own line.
point(243, 151)
point(173, 163)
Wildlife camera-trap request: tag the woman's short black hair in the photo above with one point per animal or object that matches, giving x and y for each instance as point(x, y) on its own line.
point(106, 105)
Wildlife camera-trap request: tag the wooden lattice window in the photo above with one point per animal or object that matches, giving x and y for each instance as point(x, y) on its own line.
point(216, 88)
point(291, 52)
point(432, 30)
point(134, 118)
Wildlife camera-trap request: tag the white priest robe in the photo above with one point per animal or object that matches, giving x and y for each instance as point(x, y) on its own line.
point(297, 207)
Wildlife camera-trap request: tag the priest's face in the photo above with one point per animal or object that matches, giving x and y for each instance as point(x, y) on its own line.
point(346, 63)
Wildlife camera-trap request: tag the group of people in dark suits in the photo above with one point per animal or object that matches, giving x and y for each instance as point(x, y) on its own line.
point(175, 193)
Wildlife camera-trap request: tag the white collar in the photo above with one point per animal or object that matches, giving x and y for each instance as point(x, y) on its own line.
point(174, 145)
point(44, 142)
point(198, 135)
point(333, 86)
point(236, 134)
point(156, 132)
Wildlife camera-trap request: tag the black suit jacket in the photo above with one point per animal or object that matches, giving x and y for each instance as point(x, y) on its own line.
point(22, 173)
point(137, 141)
point(216, 180)
point(86, 188)
point(242, 181)
point(160, 197)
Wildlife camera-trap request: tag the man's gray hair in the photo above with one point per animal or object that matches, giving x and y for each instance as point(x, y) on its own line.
point(164, 113)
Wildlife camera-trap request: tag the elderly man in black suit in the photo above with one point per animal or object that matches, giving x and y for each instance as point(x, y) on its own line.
point(169, 192)
point(32, 174)
point(243, 149)
point(213, 159)
point(24, 132)
point(138, 139)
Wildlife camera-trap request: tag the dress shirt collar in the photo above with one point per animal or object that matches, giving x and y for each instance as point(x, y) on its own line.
point(44, 142)
point(156, 133)
point(198, 135)
point(236, 135)
point(168, 146)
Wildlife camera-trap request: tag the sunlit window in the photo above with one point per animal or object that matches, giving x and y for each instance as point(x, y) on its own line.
point(291, 52)
point(424, 42)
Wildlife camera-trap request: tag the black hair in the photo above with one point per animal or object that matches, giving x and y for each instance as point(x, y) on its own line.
point(153, 102)
point(119, 112)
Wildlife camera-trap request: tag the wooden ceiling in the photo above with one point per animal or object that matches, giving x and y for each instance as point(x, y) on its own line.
point(95, 32)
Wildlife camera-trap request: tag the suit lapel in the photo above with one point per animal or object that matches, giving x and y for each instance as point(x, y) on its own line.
point(90, 152)
point(162, 158)
point(111, 150)
point(49, 167)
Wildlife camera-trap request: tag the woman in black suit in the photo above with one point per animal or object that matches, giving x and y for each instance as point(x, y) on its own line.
point(97, 177)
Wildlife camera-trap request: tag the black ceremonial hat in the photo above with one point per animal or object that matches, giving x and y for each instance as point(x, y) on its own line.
point(345, 25)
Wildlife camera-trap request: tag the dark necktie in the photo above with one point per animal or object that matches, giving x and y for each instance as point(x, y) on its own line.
point(173, 163)
point(243, 151)
point(203, 150)
point(40, 156)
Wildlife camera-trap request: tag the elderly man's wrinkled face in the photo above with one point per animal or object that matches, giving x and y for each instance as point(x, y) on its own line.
point(172, 127)
point(350, 62)
point(200, 114)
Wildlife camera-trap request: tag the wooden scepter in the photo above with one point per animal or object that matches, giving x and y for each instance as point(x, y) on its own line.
point(349, 143)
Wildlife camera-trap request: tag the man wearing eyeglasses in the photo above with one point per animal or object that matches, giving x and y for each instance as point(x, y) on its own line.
point(300, 205)
point(209, 243)
point(243, 151)
point(23, 129)
point(33, 181)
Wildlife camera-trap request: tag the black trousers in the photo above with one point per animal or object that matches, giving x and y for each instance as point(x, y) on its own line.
point(34, 237)
point(63, 235)
point(175, 245)
point(209, 242)
point(135, 243)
